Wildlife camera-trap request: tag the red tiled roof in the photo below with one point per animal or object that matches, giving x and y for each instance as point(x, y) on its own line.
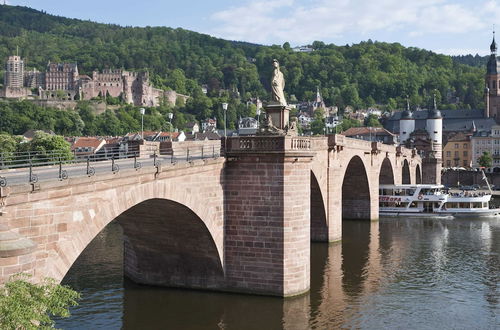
point(86, 142)
point(174, 135)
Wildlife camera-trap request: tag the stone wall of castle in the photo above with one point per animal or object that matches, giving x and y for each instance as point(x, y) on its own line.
point(61, 81)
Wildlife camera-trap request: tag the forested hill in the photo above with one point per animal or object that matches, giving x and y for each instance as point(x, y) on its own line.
point(359, 75)
point(476, 60)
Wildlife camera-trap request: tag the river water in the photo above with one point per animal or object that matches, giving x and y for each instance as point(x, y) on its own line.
point(391, 274)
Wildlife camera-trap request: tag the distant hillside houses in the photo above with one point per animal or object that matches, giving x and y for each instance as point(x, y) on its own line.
point(62, 81)
point(303, 49)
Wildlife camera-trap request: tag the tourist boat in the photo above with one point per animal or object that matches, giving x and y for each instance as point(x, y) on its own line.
point(424, 200)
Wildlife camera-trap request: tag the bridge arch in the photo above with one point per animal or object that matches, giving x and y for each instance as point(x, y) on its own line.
point(386, 175)
point(418, 174)
point(319, 226)
point(179, 208)
point(406, 176)
point(356, 191)
point(166, 243)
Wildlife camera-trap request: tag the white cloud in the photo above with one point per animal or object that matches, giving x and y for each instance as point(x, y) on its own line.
point(276, 21)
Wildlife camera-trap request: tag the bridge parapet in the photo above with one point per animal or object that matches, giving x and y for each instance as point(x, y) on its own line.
point(268, 144)
point(339, 141)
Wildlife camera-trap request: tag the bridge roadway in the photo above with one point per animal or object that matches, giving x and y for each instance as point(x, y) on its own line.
point(74, 170)
point(243, 222)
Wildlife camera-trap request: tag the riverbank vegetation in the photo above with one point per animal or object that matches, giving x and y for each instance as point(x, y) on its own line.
point(25, 305)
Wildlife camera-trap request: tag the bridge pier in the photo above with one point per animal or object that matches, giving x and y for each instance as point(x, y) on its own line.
point(267, 215)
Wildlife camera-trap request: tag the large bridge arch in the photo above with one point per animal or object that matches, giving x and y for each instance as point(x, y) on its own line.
point(168, 244)
point(405, 172)
point(356, 200)
point(63, 217)
point(386, 175)
point(319, 222)
point(418, 174)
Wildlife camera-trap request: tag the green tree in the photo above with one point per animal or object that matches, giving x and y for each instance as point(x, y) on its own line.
point(372, 121)
point(318, 123)
point(8, 143)
point(24, 305)
point(48, 148)
point(346, 124)
point(485, 160)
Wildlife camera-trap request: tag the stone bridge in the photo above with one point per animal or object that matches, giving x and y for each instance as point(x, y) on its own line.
point(241, 223)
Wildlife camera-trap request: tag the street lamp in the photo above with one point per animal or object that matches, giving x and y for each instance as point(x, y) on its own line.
point(224, 106)
point(258, 117)
point(143, 111)
point(170, 116)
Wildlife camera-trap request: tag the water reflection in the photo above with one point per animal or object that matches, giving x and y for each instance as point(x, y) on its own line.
point(396, 273)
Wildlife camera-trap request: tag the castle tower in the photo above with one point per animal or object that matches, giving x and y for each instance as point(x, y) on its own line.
point(492, 79)
point(14, 72)
point(434, 126)
point(406, 124)
point(432, 162)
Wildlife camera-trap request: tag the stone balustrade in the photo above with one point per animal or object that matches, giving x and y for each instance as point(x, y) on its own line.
point(268, 144)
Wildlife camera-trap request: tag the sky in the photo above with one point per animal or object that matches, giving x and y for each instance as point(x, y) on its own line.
point(444, 26)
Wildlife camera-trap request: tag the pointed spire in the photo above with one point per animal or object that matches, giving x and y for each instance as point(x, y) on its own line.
point(493, 46)
point(435, 106)
point(408, 103)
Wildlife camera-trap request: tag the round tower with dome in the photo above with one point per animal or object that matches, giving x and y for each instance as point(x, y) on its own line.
point(406, 124)
point(434, 126)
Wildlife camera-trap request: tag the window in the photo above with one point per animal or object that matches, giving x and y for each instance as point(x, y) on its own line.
point(456, 145)
point(465, 145)
point(465, 154)
point(448, 163)
point(456, 153)
point(465, 163)
point(448, 154)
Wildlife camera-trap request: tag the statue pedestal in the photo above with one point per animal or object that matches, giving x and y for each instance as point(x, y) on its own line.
point(280, 115)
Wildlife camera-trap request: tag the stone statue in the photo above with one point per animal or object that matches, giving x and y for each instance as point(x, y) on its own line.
point(269, 128)
point(278, 84)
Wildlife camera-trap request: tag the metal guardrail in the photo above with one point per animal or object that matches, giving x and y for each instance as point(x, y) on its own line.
point(34, 166)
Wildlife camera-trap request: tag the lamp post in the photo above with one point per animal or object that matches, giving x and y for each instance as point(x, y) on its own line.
point(224, 106)
point(170, 116)
point(143, 111)
point(258, 117)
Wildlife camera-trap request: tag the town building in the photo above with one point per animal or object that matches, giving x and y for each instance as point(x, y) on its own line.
point(303, 49)
point(247, 126)
point(486, 141)
point(209, 124)
point(318, 103)
point(457, 152)
point(86, 146)
point(192, 128)
point(373, 134)
point(305, 120)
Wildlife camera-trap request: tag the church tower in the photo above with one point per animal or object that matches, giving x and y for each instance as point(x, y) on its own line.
point(492, 90)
